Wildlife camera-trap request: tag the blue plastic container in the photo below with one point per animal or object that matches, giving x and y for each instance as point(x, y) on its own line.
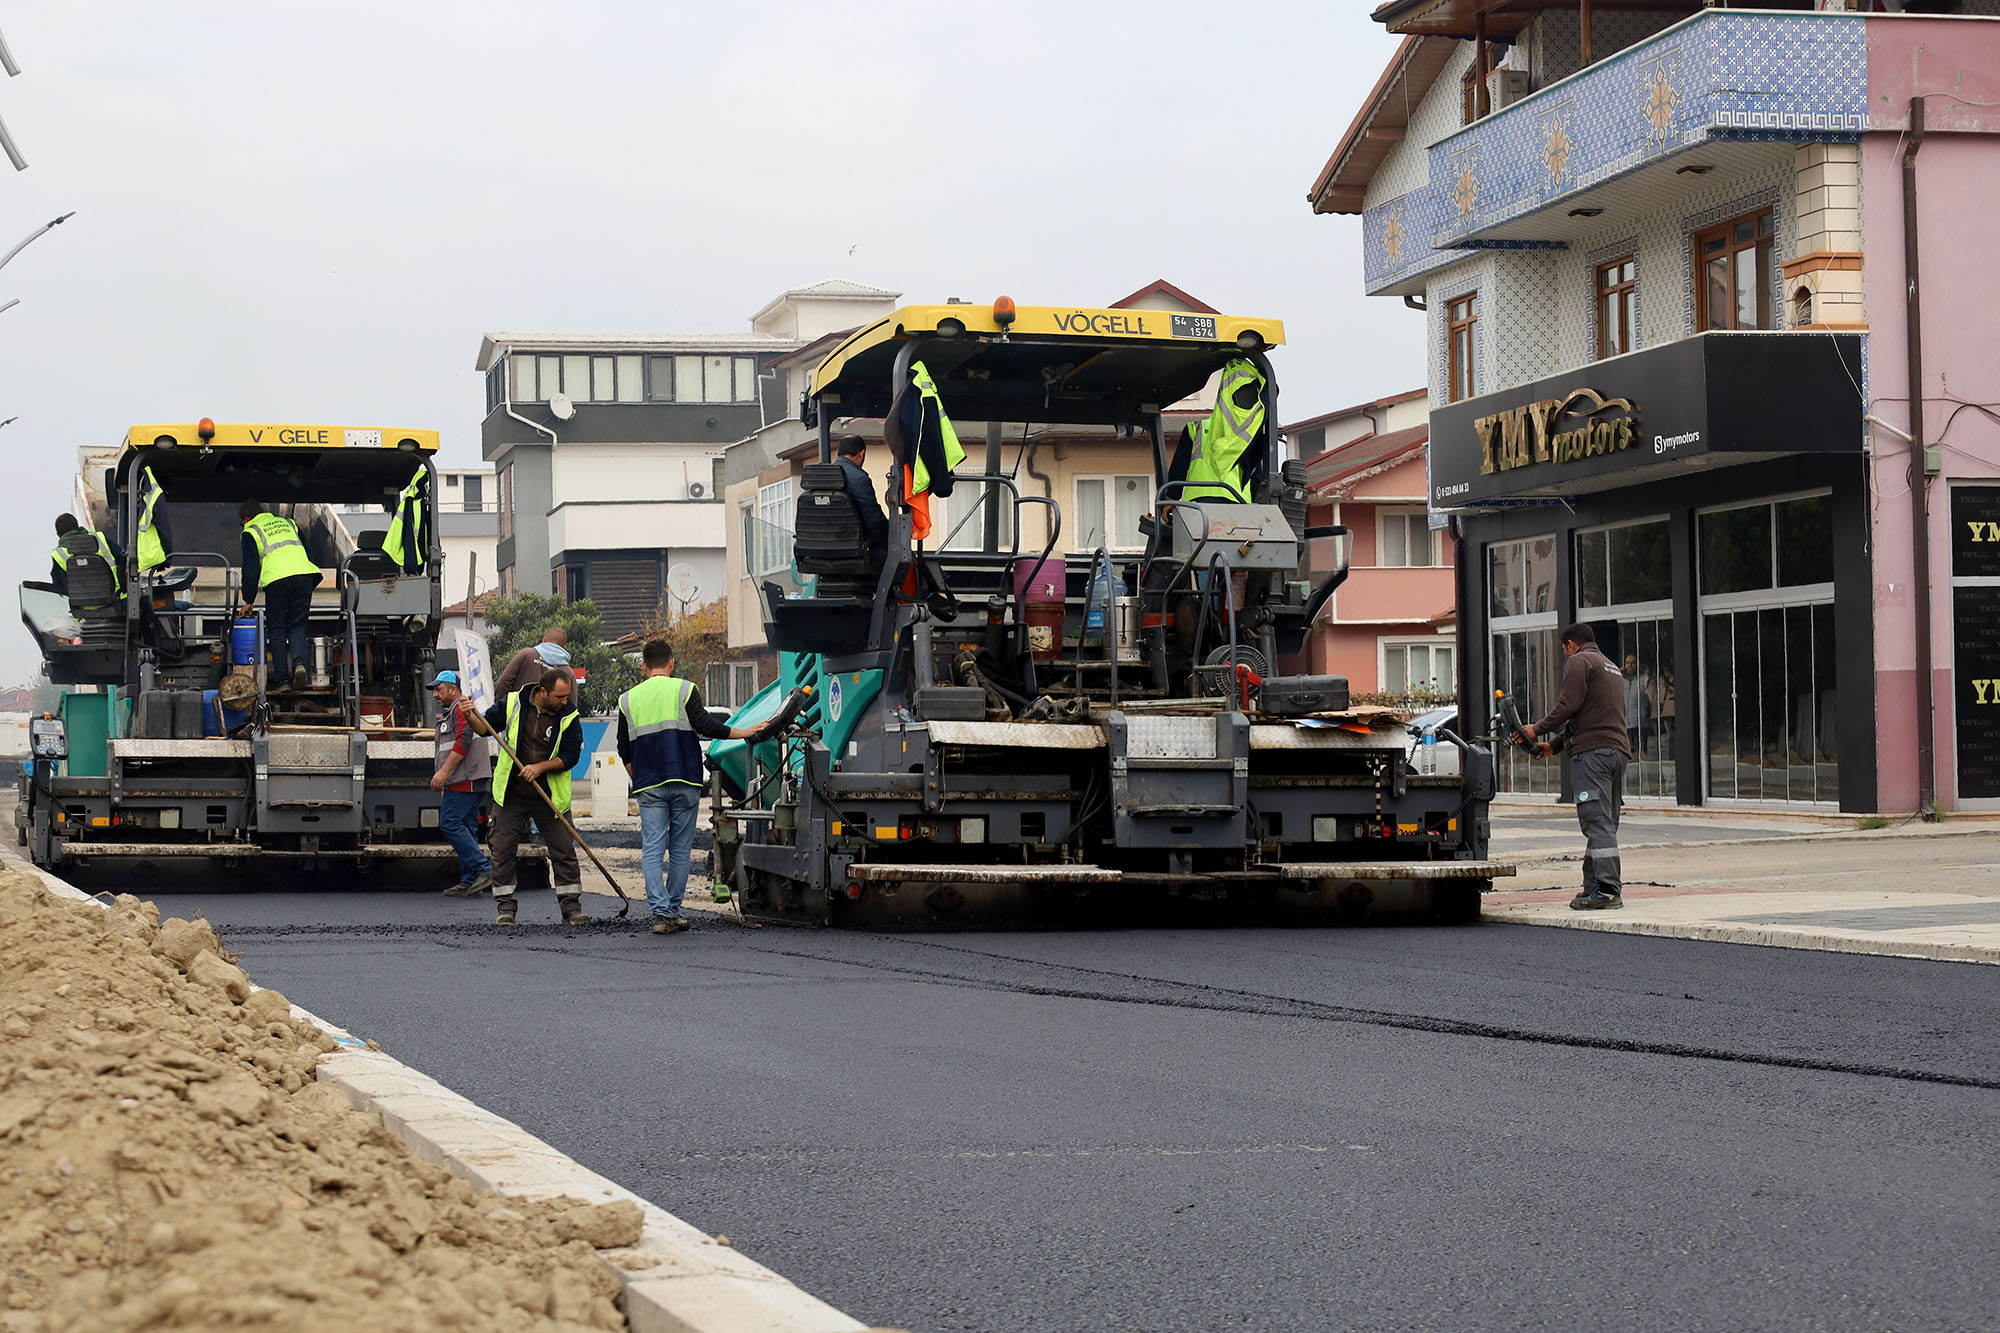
point(215, 719)
point(243, 643)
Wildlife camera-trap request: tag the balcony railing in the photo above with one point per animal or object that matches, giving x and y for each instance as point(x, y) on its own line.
point(1718, 76)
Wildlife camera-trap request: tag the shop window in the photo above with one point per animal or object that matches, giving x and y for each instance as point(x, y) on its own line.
point(1625, 564)
point(1733, 273)
point(1805, 541)
point(1787, 544)
point(1617, 303)
point(1404, 539)
point(1462, 346)
point(1419, 666)
point(1523, 577)
point(1523, 659)
point(1975, 610)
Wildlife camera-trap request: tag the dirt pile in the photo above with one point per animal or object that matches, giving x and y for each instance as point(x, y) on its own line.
point(166, 1160)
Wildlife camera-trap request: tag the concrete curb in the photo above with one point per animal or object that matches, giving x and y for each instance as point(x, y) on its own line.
point(677, 1279)
point(1780, 937)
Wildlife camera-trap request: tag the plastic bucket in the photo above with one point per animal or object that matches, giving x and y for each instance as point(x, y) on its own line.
point(243, 643)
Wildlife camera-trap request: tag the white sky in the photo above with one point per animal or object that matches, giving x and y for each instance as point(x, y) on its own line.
point(310, 212)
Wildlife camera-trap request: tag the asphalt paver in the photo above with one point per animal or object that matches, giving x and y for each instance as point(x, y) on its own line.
point(1480, 1126)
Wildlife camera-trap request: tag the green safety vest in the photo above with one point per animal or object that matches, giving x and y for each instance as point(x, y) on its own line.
point(954, 452)
point(152, 554)
point(61, 556)
point(664, 747)
point(1220, 441)
point(409, 523)
point(280, 551)
point(503, 767)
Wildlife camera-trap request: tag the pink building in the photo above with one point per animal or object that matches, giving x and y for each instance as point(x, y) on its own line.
point(1662, 256)
point(1390, 629)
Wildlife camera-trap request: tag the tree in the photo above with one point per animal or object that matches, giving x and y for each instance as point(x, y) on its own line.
point(514, 623)
point(700, 639)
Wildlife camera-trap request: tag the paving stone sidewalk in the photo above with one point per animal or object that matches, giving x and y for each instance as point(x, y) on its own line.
point(1809, 882)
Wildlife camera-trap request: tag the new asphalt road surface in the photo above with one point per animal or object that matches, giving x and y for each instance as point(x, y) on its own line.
point(1472, 1127)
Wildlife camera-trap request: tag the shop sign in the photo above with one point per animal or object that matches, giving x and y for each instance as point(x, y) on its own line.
point(1583, 424)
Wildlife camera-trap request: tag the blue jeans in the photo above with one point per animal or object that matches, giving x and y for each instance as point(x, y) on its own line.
point(458, 819)
point(666, 834)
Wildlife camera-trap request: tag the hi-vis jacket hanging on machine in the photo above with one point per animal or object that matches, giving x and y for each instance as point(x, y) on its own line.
point(407, 541)
point(921, 437)
point(1221, 441)
point(152, 551)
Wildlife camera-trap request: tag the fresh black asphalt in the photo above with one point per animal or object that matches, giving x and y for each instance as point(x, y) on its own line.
point(1475, 1127)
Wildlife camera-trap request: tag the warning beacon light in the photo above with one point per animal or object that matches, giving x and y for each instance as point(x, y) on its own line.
point(1003, 311)
point(206, 428)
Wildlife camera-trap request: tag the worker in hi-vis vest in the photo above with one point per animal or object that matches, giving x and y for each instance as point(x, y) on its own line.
point(661, 724)
point(89, 542)
point(1220, 443)
point(275, 562)
point(154, 539)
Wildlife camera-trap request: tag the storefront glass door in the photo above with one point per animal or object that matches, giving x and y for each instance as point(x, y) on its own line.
point(1624, 578)
point(1522, 655)
point(1767, 636)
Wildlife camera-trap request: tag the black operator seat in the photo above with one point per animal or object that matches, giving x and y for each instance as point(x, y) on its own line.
point(828, 539)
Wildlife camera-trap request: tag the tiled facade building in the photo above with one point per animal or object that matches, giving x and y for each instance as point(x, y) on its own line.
point(1662, 260)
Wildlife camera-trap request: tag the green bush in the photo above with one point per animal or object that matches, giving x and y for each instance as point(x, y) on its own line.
point(514, 623)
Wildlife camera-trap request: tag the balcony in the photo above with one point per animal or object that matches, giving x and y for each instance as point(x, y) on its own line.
point(1728, 85)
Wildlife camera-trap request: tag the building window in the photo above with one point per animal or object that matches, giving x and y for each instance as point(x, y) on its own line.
point(1115, 527)
point(768, 547)
point(1522, 656)
point(730, 685)
point(507, 501)
point(1764, 574)
point(1624, 589)
point(1462, 346)
point(575, 582)
point(1733, 273)
point(1617, 301)
point(1419, 666)
point(629, 378)
point(1404, 539)
point(474, 494)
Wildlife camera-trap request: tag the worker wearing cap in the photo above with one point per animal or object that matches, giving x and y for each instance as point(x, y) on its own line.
point(275, 562)
point(91, 542)
point(462, 761)
point(540, 726)
point(661, 724)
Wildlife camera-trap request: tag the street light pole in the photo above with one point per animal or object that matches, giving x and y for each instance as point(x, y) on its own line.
point(33, 235)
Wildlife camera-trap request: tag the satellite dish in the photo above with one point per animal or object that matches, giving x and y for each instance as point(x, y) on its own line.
point(683, 583)
point(563, 408)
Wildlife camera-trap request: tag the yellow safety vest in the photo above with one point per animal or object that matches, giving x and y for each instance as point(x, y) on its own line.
point(152, 553)
point(503, 767)
point(1220, 441)
point(408, 524)
point(281, 553)
point(664, 747)
point(954, 453)
point(62, 556)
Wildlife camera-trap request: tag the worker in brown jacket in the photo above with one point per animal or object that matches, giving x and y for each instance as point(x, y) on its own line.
point(1590, 706)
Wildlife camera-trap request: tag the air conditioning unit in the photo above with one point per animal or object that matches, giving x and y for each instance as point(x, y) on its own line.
point(696, 490)
point(1504, 87)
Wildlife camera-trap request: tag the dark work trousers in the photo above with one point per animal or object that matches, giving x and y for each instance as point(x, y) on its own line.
point(510, 826)
point(287, 604)
point(1600, 796)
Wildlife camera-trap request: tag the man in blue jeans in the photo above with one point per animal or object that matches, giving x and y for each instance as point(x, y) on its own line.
point(463, 762)
point(661, 725)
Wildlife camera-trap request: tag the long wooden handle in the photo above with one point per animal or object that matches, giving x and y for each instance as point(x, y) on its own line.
point(549, 801)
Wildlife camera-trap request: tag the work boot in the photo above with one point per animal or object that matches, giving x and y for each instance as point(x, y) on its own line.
point(572, 909)
point(299, 677)
point(505, 902)
point(471, 888)
point(1592, 900)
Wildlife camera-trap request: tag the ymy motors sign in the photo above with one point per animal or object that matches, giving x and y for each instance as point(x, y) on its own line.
point(1621, 421)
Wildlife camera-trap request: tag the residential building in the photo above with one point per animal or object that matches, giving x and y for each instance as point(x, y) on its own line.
point(1390, 628)
point(1665, 273)
point(1103, 484)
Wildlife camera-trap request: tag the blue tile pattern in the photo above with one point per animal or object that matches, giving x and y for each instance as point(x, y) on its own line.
point(1720, 75)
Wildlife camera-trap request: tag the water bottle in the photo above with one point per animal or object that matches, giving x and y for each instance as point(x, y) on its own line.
point(1097, 606)
point(1427, 754)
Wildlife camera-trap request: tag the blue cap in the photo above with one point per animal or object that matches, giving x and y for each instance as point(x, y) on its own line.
point(445, 678)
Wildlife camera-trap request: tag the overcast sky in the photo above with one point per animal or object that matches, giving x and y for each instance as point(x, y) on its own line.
point(291, 212)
